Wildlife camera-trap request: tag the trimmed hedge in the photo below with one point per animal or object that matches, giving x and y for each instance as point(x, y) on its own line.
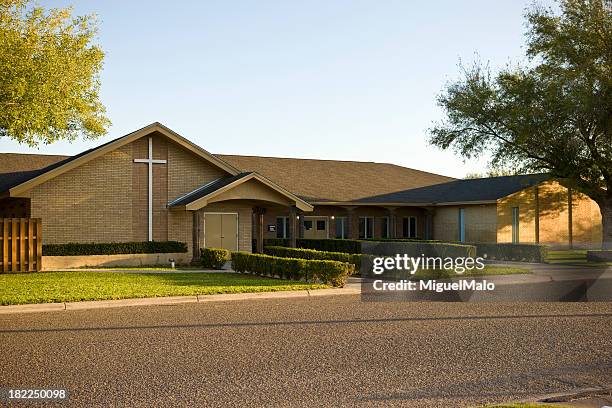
point(416, 249)
point(311, 254)
point(599, 255)
point(348, 246)
point(214, 258)
point(114, 248)
point(329, 272)
point(513, 252)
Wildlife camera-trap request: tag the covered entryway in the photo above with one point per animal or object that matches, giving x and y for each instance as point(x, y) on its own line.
point(228, 212)
point(220, 230)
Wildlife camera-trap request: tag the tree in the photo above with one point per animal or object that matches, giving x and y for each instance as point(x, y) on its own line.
point(553, 115)
point(492, 172)
point(49, 75)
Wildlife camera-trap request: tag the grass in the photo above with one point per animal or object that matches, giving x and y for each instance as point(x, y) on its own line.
point(571, 257)
point(567, 256)
point(488, 270)
point(526, 405)
point(49, 287)
point(143, 268)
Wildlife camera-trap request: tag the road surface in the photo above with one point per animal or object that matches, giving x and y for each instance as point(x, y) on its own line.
point(335, 351)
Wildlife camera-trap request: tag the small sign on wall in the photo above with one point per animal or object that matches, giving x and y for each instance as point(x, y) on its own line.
point(271, 228)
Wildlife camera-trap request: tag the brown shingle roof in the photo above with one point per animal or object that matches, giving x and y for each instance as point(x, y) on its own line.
point(332, 180)
point(15, 162)
point(310, 179)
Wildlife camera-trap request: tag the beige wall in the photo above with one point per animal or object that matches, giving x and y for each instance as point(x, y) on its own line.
point(91, 203)
point(480, 223)
point(553, 204)
point(105, 200)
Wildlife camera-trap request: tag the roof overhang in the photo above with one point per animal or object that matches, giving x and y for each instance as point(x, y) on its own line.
point(399, 204)
point(154, 127)
point(203, 201)
point(366, 204)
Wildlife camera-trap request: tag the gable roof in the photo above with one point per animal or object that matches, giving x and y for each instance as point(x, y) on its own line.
point(17, 162)
point(319, 181)
point(480, 190)
point(25, 180)
point(198, 198)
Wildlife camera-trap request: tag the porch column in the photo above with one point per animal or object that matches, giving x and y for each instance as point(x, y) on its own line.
point(429, 223)
point(392, 222)
point(353, 223)
point(196, 236)
point(292, 227)
point(259, 228)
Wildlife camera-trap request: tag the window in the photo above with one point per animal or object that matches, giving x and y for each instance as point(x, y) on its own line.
point(282, 227)
point(366, 227)
point(321, 225)
point(409, 227)
point(461, 222)
point(307, 225)
point(342, 227)
point(385, 232)
point(515, 225)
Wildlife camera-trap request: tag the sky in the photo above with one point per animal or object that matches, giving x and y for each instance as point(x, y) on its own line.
point(326, 79)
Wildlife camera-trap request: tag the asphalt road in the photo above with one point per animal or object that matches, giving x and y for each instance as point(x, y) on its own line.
point(309, 352)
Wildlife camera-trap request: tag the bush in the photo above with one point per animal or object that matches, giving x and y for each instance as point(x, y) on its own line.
point(114, 248)
point(601, 255)
point(348, 246)
point(214, 258)
point(311, 254)
point(513, 252)
point(329, 272)
point(416, 249)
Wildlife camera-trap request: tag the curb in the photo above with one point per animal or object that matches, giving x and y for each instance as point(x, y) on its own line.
point(173, 300)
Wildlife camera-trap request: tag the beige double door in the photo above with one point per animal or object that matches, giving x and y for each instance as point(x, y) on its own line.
point(221, 230)
point(316, 227)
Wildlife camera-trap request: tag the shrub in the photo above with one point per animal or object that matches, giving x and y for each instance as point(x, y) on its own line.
point(416, 249)
point(349, 246)
point(329, 272)
point(513, 252)
point(311, 254)
point(603, 255)
point(214, 258)
point(114, 248)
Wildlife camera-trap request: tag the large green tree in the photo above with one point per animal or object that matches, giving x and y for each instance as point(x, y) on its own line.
point(552, 115)
point(49, 75)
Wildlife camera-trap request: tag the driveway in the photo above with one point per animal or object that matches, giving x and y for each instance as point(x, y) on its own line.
point(334, 351)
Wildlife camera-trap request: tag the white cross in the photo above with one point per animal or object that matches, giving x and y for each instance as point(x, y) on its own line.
point(150, 161)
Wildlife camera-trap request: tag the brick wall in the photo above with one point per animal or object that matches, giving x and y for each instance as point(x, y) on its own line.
point(91, 203)
point(553, 217)
point(480, 223)
point(106, 199)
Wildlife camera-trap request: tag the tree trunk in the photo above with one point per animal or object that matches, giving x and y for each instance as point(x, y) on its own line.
point(606, 222)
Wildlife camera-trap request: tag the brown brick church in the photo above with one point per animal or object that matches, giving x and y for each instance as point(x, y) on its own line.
point(154, 184)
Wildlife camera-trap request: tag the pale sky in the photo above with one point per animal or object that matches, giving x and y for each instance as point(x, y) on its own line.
point(329, 79)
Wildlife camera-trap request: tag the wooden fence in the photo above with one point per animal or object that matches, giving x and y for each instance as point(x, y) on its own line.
point(20, 244)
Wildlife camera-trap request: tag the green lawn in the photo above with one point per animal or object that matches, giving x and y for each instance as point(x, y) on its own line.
point(572, 257)
point(48, 287)
point(527, 405)
point(567, 256)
